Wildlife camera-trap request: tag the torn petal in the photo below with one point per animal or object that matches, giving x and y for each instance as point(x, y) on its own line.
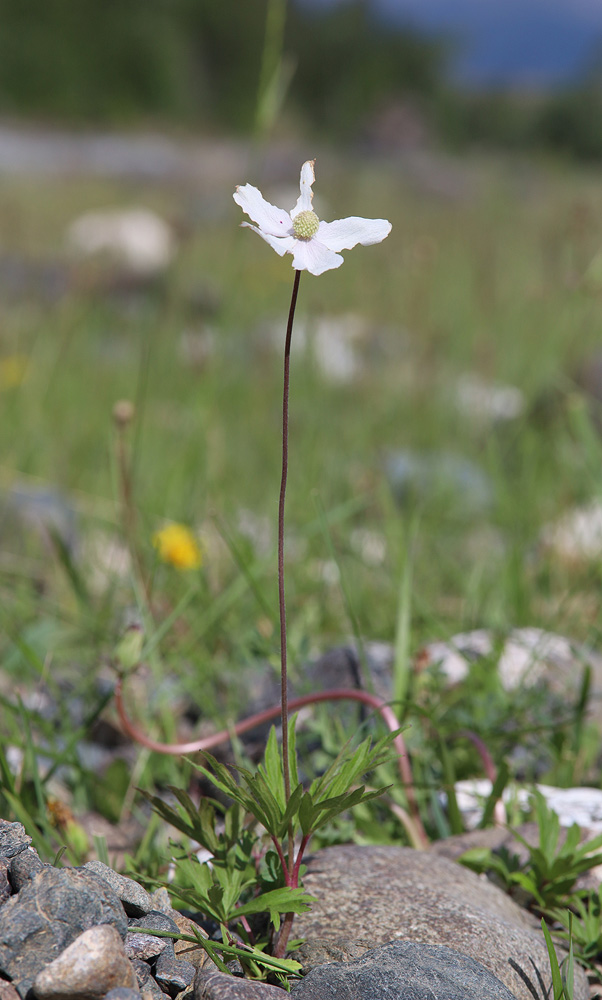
point(347, 233)
point(305, 198)
point(312, 256)
point(272, 220)
point(281, 244)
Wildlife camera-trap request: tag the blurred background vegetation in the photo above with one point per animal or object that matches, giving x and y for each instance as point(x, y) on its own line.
point(202, 63)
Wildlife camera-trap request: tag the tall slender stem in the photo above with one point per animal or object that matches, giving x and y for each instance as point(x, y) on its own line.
point(281, 598)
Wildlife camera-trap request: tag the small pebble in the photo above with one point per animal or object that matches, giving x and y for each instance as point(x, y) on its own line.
point(210, 984)
point(135, 899)
point(13, 839)
point(87, 969)
point(148, 987)
point(23, 867)
point(173, 975)
point(186, 950)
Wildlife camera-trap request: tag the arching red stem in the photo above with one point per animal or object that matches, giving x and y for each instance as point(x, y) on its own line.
point(335, 694)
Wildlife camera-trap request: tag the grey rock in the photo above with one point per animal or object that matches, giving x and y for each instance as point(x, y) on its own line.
point(342, 666)
point(88, 968)
point(122, 993)
point(346, 667)
point(210, 984)
point(146, 983)
point(525, 657)
point(172, 974)
point(23, 867)
point(160, 901)
point(368, 896)
point(154, 920)
point(13, 839)
point(5, 887)
point(144, 946)
point(135, 899)
point(51, 910)
point(407, 971)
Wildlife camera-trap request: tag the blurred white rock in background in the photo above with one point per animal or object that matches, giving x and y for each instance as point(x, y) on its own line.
point(197, 347)
point(136, 238)
point(526, 656)
point(488, 402)
point(334, 343)
point(577, 535)
point(582, 806)
point(370, 546)
point(258, 529)
point(106, 560)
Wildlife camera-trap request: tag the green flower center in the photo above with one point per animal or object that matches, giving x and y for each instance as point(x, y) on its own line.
point(305, 225)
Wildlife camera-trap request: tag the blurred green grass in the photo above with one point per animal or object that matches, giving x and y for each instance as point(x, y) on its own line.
point(489, 283)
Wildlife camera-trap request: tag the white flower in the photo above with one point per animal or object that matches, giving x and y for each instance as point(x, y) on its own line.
point(313, 244)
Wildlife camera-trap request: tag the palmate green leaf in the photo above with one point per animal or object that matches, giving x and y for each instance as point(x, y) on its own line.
point(265, 805)
point(200, 824)
point(347, 802)
point(220, 776)
point(349, 765)
point(306, 812)
point(271, 769)
point(292, 808)
point(276, 901)
point(313, 815)
point(215, 890)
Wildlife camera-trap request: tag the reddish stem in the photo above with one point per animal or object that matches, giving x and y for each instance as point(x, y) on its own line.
point(299, 858)
point(499, 809)
point(336, 694)
point(281, 600)
point(280, 853)
point(486, 758)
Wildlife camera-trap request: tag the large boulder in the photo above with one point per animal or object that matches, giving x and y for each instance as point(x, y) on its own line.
point(371, 896)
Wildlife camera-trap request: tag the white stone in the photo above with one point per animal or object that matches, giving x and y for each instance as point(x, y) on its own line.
point(577, 535)
point(582, 806)
point(525, 658)
point(136, 237)
point(488, 401)
point(371, 546)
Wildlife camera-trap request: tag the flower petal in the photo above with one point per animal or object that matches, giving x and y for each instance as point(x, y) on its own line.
point(347, 233)
point(272, 220)
point(305, 198)
point(312, 256)
point(281, 244)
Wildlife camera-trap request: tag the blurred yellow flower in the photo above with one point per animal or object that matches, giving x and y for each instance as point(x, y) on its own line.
point(13, 370)
point(177, 545)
